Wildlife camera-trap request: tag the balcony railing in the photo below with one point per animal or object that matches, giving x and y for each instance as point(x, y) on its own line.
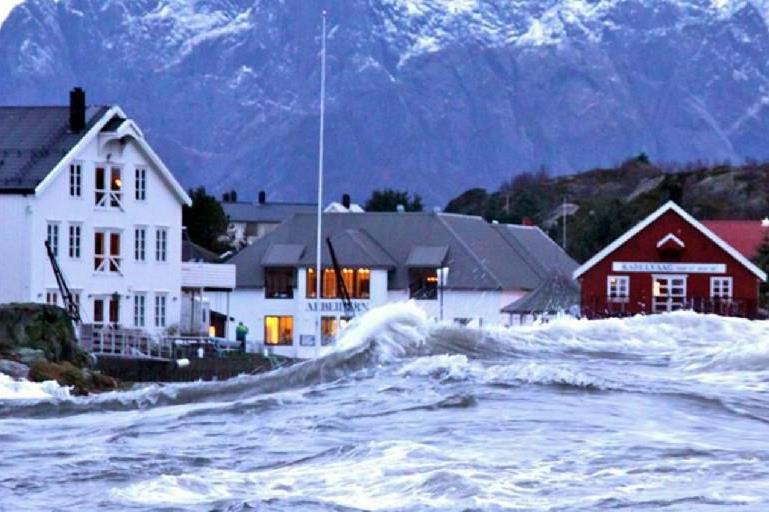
point(596, 307)
point(133, 343)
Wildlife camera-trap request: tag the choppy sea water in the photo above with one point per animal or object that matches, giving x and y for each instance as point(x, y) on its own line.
point(664, 412)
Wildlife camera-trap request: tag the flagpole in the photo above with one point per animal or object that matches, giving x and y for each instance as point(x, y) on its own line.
point(318, 245)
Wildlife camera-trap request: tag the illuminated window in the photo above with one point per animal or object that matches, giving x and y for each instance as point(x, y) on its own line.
point(356, 281)
point(329, 290)
point(108, 195)
point(363, 284)
point(328, 329)
point(721, 287)
point(278, 330)
point(311, 283)
point(617, 288)
point(423, 283)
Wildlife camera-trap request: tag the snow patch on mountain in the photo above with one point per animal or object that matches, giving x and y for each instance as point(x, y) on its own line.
point(6, 6)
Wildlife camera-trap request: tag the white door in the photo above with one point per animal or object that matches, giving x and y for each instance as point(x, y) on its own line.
point(668, 293)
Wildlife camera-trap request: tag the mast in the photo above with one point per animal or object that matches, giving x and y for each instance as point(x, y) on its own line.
point(563, 213)
point(318, 244)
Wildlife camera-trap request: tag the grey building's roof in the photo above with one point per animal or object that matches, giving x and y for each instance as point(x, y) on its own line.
point(33, 140)
point(480, 256)
point(192, 252)
point(265, 212)
point(557, 293)
point(543, 255)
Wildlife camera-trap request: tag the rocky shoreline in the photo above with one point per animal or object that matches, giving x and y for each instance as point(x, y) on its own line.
point(38, 344)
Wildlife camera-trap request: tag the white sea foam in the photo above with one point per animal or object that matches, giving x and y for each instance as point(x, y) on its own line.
point(11, 389)
point(396, 329)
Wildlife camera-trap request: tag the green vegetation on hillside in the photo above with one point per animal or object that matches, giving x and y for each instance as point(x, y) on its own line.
point(601, 204)
point(388, 200)
point(206, 221)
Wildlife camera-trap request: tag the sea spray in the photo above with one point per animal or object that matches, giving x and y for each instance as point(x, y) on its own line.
point(660, 412)
point(11, 389)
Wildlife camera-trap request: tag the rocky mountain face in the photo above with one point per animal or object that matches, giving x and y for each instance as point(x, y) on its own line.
point(431, 95)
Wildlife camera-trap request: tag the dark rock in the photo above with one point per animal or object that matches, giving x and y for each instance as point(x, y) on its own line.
point(29, 355)
point(14, 369)
point(28, 331)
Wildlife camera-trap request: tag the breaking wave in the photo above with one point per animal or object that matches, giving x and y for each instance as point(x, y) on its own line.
point(406, 413)
point(11, 389)
point(673, 348)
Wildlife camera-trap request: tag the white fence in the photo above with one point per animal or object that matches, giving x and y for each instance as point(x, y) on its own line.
point(132, 343)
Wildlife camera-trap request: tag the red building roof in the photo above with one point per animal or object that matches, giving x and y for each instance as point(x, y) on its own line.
point(743, 235)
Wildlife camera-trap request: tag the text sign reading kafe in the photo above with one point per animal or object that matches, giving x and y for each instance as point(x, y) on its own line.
point(682, 268)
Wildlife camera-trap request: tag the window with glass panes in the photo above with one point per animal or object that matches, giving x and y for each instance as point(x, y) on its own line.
point(721, 287)
point(75, 234)
point(617, 288)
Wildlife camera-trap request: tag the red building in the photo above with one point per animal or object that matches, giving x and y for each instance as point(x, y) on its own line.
point(666, 262)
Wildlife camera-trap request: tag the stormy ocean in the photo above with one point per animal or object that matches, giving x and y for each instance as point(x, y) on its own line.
point(647, 413)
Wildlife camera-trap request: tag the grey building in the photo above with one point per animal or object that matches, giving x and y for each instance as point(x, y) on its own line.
point(383, 258)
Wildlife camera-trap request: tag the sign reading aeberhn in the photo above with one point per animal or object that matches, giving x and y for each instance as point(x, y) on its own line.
point(682, 268)
point(337, 307)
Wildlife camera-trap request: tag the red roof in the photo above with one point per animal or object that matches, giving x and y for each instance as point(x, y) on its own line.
point(743, 235)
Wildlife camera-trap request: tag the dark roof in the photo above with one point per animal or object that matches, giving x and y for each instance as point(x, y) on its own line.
point(283, 255)
point(556, 294)
point(480, 255)
point(33, 140)
point(265, 212)
point(194, 252)
point(427, 256)
point(539, 251)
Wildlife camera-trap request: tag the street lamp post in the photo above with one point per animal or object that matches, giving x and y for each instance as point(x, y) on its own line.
point(443, 275)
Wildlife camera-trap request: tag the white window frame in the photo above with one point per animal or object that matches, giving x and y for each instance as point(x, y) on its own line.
point(140, 309)
point(161, 306)
point(161, 244)
point(109, 198)
point(140, 243)
point(75, 233)
point(76, 180)
point(52, 297)
point(616, 284)
point(719, 284)
point(108, 260)
point(52, 233)
point(140, 184)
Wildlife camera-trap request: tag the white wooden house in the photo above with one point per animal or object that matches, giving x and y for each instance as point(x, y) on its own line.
point(86, 180)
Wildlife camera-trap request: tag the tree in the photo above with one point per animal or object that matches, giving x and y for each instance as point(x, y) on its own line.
point(387, 200)
point(206, 221)
point(762, 261)
point(470, 202)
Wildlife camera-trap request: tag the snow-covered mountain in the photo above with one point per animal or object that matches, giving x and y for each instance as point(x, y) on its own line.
point(431, 95)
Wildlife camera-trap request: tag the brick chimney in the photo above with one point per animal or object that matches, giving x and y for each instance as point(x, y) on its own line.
point(76, 110)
